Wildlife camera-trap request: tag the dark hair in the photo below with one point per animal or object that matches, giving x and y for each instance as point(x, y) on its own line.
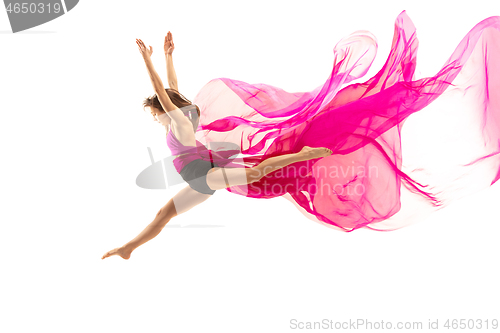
point(192, 111)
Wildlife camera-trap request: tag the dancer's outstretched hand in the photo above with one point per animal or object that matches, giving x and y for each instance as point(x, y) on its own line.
point(168, 46)
point(143, 49)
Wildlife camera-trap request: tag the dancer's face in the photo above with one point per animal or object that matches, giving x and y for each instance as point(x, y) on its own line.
point(155, 112)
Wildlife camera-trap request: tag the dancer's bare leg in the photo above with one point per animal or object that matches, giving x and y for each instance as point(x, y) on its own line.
point(219, 178)
point(183, 201)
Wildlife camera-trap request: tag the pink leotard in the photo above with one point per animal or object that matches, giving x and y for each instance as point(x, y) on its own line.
point(191, 153)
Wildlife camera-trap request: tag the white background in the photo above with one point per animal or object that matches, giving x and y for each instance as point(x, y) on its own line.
point(74, 138)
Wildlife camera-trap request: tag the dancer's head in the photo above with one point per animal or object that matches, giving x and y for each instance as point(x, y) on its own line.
point(189, 109)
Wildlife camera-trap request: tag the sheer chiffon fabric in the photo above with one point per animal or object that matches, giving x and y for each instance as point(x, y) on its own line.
point(379, 176)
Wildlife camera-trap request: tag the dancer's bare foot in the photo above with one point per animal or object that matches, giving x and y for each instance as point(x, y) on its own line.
point(309, 153)
point(121, 251)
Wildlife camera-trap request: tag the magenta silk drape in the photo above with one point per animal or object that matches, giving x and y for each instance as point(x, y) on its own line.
point(379, 176)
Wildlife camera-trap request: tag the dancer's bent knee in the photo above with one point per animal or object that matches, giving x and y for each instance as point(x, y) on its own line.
point(254, 174)
point(219, 178)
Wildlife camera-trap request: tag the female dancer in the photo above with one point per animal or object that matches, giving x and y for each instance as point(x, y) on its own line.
point(363, 183)
point(204, 176)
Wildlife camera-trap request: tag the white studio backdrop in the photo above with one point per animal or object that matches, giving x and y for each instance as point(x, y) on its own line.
point(74, 138)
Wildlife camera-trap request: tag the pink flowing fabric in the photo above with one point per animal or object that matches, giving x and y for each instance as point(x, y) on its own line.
point(379, 176)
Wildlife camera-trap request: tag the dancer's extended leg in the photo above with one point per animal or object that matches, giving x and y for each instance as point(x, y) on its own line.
point(219, 178)
point(183, 201)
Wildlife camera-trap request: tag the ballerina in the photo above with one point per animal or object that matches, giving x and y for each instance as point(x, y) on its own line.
point(203, 173)
point(361, 180)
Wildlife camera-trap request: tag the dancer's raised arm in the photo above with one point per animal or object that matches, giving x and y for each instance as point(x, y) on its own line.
point(169, 48)
point(172, 111)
